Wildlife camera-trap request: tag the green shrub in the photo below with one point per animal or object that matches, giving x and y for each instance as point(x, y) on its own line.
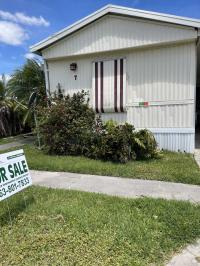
point(120, 143)
point(69, 127)
point(112, 142)
point(66, 125)
point(145, 145)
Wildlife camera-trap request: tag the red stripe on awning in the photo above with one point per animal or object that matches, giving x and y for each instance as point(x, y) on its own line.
point(101, 84)
point(121, 84)
point(96, 87)
point(115, 86)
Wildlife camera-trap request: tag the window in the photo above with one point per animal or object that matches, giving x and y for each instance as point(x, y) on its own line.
point(109, 85)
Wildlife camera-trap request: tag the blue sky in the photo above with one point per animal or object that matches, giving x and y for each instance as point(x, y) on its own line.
point(25, 22)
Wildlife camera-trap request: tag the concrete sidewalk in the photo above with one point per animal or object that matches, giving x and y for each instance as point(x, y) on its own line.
point(190, 256)
point(17, 142)
point(116, 186)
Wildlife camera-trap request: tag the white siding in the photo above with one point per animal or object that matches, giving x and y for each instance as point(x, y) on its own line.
point(60, 73)
point(164, 77)
point(114, 32)
point(171, 116)
point(162, 74)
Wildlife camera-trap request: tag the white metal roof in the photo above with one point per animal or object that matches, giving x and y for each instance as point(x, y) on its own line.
point(118, 10)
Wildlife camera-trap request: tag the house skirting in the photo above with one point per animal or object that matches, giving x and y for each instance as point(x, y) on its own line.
point(175, 139)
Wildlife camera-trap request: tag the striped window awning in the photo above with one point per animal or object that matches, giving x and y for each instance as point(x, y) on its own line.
point(109, 85)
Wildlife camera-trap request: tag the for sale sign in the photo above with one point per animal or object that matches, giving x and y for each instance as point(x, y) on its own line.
point(14, 173)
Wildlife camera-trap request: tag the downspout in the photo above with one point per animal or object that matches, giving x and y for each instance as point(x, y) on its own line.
point(47, 82)
point(197, 45)
point(198, 39)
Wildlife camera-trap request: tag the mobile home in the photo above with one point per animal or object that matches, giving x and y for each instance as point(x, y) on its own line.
point(138, 66)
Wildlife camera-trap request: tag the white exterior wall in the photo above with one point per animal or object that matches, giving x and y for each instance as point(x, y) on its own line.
point(59, 71)
point(165, 77)
point(114, 33)
point(163, 74)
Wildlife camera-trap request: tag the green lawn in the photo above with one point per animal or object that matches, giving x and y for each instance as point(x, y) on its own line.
point(174, 167)
point(61, 227)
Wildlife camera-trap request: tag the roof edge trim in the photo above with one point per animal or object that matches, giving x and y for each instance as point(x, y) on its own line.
point(118, 10)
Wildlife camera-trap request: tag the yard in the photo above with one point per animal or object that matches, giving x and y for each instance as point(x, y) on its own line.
point(64, 227)
point(61, 227)
point(46, 226)
point(173, 167)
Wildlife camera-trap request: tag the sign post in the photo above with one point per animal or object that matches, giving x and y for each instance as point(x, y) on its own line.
point(14, 173)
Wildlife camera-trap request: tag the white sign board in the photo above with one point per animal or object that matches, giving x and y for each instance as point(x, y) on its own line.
point(14, 173)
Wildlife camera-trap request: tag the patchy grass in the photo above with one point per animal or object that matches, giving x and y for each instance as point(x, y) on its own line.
point(61, 227)
point(173, 167)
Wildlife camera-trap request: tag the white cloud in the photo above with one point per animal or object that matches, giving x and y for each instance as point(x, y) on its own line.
point(11, 33)
point(30, 56)
point(24, 19)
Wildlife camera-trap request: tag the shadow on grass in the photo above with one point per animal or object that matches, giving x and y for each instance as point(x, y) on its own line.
point(16, 204)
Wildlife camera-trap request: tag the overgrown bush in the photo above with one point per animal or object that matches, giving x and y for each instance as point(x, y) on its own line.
point(147, 146)
point(112, 142)
point(121, 143)
point(69, 127)
point(66, 125)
